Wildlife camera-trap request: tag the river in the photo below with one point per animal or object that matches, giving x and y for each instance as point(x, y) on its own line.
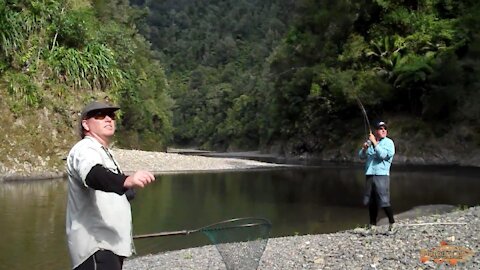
point(297, 201)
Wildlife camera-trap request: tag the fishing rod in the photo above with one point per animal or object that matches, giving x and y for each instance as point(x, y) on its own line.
point(366, 122)
point(365, 116)
point(222, 225)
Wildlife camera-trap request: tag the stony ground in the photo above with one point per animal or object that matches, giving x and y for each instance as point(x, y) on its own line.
point(353, 249)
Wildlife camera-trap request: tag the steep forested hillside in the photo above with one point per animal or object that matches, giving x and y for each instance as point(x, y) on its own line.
point(413, 62)
point(243, 74)
point(57, 55)
point(215, 53)
point(259, 73)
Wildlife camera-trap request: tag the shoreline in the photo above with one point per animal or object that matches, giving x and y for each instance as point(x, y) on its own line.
point(159, 163)
point(177, 161)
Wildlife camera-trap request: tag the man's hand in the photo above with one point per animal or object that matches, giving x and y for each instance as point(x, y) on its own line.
point(365, 145)
point(139, 179)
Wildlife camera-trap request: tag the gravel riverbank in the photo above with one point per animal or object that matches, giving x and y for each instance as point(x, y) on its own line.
point(163, 163)
point(156, 162)
point(351, 249)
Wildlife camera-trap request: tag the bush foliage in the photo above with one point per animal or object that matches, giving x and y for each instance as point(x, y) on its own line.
point(62, 53)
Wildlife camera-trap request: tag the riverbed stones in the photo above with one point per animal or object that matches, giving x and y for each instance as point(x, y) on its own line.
point(346, 249)
point(161, 163)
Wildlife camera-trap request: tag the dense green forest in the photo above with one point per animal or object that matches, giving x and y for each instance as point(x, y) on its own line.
point(279, 75)
point(417, 59)
point(214, 53)
point(249, 74)
point(55, 56)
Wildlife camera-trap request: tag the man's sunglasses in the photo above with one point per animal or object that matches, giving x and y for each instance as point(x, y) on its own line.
point(380, 128)
point(100, 115)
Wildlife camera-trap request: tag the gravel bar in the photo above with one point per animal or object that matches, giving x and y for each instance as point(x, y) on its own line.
point(352, 249)
point(163, 163)
point(155, 162)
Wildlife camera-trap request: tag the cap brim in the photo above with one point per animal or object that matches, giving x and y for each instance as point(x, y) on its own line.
point(96, 106)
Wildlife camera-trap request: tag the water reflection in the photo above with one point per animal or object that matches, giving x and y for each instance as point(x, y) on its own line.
point(33, 225)
point(296, 201)
point(414, 186)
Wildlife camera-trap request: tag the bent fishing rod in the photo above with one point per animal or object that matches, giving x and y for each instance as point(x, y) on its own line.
point(368, 127)
point(365, 116)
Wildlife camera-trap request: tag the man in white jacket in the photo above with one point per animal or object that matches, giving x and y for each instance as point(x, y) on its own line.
point(99, 220)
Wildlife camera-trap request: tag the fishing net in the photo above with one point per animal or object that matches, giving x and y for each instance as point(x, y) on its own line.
point(240, 242)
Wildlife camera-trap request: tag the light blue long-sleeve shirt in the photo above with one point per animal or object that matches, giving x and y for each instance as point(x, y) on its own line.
point(379, 158)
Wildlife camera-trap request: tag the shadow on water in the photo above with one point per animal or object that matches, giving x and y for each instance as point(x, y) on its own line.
point(305, 200)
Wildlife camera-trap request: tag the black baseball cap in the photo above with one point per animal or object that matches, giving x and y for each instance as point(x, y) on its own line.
point(379, 124)
point(95, 106)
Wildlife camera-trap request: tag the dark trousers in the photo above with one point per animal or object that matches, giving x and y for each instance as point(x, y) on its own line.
point(373, 208)
point(102, 260)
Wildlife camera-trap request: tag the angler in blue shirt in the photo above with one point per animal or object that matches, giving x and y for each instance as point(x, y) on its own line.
point(378, 152)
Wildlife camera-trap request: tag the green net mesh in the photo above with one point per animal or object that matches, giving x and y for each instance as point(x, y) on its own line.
point(240, 242)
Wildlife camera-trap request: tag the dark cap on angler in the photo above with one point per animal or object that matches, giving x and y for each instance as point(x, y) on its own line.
point(379, 124)
point(92, 107)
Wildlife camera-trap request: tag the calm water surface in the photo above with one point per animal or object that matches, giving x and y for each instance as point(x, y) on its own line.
point(296, 200)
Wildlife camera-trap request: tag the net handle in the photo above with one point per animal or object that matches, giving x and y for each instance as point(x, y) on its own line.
point(159, 234)
point(260, 221)
point(210, 227)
